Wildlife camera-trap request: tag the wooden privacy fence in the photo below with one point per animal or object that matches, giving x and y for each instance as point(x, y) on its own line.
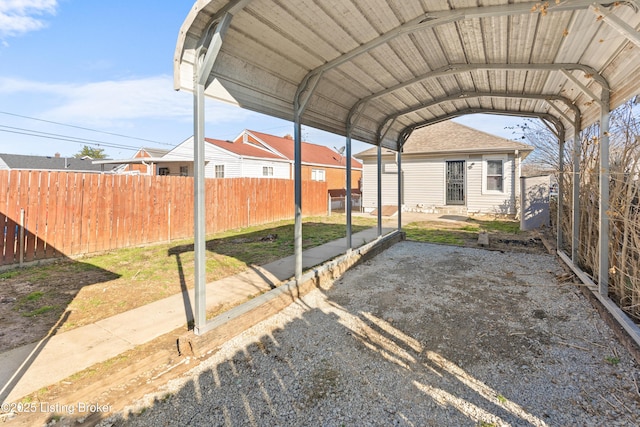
point(53, 214)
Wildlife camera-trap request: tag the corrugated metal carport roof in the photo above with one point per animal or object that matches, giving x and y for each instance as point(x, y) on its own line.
point(375, 70)
point(383, 66)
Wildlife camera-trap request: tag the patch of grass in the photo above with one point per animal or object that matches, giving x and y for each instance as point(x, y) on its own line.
point(9, 274)
point(502, 226)
point(612, 360)
point(34, 296)
point(39, 311)
point(434, 236)
point(501, 399)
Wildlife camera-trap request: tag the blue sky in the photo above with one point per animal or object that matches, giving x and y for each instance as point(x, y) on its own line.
point(107, 66)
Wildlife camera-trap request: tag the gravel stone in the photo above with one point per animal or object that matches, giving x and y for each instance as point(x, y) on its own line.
point(422, 335)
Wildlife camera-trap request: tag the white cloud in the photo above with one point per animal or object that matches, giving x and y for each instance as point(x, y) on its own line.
point(22, 16)
point(114, 104)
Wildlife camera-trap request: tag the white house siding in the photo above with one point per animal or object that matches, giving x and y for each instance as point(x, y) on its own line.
point(212, 155)
point(425, 180)
point(370, 184)
point(479, 200)
point(252, 168)
point(424, 186)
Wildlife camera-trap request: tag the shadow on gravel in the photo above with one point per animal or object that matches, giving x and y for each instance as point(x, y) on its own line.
point(420, 335)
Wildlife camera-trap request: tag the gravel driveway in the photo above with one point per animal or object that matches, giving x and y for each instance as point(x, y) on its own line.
point(421, 335)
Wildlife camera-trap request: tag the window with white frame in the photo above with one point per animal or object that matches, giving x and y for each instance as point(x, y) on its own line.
point(219, 171)
point(493, 174)
point(267, 171)
point(163, 171)
point(184, 170)
point(317, 174)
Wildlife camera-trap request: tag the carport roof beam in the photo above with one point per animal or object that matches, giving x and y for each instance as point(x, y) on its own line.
point(468, 95)
point(617, 24)
point(574, 122)
point(582, 87)
point(452, 69)
point(434, 19)
point(406, 132)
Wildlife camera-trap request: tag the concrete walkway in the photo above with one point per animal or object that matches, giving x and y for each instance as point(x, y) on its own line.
point(28, 368)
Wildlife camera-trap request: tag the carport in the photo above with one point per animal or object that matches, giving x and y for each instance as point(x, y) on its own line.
point(375, 70)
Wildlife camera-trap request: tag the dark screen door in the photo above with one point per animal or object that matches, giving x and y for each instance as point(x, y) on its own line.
point(455, 182)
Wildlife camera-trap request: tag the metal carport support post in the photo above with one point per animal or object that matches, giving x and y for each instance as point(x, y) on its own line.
point(603, 238)
point(379, 189)
point(560, 207)
point(348, 192)
point(202, 69)
point(575, 230)
point(400, 188)
point(306, 88)
point(297, 181)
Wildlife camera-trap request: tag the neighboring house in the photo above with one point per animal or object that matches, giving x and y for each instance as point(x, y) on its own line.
point(448, 167)
point(55, 163)
point(260, 155)
point(145, 168)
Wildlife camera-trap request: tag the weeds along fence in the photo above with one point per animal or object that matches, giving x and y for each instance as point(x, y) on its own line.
point(623, 213)
point(54, 214)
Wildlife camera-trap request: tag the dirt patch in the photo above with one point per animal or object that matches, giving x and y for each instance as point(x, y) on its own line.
point(33, 301)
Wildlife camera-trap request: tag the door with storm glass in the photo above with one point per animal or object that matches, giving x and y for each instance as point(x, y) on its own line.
point(455, 185)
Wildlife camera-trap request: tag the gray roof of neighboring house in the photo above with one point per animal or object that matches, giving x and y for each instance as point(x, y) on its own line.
point(69, 164)
point(155, 152)
point(452, 137)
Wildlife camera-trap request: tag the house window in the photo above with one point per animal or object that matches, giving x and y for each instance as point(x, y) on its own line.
point(219, 171)
point(494, 175)
point(317, 174)
point(267, 171)
point(163, 171)
point(184, 170)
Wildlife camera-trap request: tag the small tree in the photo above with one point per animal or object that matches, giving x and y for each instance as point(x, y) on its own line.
point(94, 153)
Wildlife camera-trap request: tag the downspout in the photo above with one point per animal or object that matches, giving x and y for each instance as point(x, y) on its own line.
point(148, 167)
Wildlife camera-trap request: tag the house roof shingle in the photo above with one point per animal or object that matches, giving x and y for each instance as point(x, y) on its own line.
point(154, 152)
point(69, 164)
point(311, 153)
point(241, 149)
point(452, 137)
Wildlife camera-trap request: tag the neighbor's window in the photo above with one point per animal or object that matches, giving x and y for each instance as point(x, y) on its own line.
point(317, 174)
point(184, 170)
point(494, 175)
point(267, 171)
point(219, 171)
point(163, 171)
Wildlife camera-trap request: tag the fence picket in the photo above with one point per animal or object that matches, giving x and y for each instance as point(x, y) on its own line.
point(74, 213)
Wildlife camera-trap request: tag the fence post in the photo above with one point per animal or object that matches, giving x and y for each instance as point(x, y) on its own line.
point(21, 239)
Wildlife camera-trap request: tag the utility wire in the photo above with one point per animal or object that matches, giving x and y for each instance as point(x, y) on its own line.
point(84, 128)
point(69, 139)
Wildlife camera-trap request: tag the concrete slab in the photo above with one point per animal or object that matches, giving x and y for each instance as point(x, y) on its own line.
point(64, 355)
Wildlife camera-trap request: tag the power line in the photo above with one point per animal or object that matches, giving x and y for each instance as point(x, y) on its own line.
point(84, 128)
point(59, 137)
